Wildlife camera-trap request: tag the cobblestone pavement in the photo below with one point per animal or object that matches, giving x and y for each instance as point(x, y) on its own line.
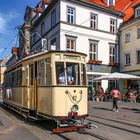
point(127, 111)
point(13, 127)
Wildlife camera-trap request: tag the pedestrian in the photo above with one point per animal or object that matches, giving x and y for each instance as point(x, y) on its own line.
point(100, 93)
point(133, 95)
point(93, 93)
point(106, 95)
point(115, 93)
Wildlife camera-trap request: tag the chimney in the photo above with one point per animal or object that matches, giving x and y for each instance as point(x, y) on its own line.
point(15, 51)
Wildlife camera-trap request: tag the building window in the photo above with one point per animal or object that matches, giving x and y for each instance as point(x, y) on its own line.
point(53, 18)
point(113, 25)
point(93, 21)
point(138, 57)
point(42, 28)
point(137, 12)
point(93, 50)
point(127, 37)
point(70, 43)
point(127, 59)
point(34, 37)
point(112, 57)
point(111, 2)
point(71, 15)
point(53, 44)
point(138, 32)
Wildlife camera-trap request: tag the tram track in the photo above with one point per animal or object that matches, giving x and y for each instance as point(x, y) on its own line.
point(40, 129)
point(93, 135)
point(128, 127)
point(126, 122)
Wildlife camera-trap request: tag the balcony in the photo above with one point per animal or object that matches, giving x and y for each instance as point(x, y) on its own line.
point(98, 62)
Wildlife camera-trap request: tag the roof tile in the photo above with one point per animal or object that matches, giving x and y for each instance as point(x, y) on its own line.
point(124, 6)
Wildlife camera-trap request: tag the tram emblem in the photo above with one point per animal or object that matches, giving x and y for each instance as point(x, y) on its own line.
point(74, 98)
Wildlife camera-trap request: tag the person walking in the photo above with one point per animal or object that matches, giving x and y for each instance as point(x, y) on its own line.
point(115, 93)
point(100, 93)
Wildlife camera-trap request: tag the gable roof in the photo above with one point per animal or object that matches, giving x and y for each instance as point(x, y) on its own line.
point(28, 11)
point(124, 6)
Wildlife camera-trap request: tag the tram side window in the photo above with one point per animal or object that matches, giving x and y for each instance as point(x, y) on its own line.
point(60, 73)
point(14, 78)
point(6, 80)
point(44, 72)
point(48, 71)
point(10, 80)
point(19, 77)
point(83, 74)
point(31, 74)
point(41, 73)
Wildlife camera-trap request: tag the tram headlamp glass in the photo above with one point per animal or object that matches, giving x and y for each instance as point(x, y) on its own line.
point(74, 108)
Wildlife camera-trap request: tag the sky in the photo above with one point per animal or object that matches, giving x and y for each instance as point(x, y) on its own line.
point(11, 16)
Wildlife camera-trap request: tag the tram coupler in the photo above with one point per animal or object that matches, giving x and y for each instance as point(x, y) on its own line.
point(90, 125)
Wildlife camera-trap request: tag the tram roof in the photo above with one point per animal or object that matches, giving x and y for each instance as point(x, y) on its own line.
point(51, 51)
point(46, 52)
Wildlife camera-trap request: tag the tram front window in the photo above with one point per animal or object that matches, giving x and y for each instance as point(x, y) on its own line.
point(69, 75)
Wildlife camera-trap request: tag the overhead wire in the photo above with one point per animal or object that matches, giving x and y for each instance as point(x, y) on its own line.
point(39, 34)
point(7, 47)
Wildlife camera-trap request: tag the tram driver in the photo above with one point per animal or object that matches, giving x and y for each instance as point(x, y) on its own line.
point(62, 79)
point(63, 75)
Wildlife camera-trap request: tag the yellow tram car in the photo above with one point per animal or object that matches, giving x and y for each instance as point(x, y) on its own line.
point(49, 85)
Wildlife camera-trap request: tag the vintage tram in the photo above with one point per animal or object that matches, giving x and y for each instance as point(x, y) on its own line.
point(49, 85)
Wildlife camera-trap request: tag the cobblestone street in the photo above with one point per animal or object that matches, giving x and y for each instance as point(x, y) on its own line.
point(13, 126)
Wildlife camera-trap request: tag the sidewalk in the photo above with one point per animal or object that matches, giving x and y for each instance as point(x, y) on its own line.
point(5, 122)
point(127, 111)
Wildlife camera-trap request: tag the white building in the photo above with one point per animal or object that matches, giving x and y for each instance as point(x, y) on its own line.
point(82, 26)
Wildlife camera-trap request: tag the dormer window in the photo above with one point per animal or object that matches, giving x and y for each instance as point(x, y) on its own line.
point(137, 12)
point(110, 2)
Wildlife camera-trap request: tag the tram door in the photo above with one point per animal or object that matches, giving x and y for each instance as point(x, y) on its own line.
point(33, 85)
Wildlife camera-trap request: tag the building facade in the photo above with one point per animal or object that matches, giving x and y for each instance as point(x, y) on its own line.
point(82, 26)
point(130, 48)
point(87, 26)
point(2, 70)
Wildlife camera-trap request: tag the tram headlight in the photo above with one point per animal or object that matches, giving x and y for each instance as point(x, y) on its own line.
point(74, 108)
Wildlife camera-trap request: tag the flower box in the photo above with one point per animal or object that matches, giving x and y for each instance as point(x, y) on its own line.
point(94, 61)
point(113, 64)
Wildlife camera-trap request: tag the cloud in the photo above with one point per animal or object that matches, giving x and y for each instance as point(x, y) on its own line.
point(1, 50)
point(5, 21)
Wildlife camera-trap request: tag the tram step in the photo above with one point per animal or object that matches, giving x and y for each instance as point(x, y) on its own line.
point(31, 117)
